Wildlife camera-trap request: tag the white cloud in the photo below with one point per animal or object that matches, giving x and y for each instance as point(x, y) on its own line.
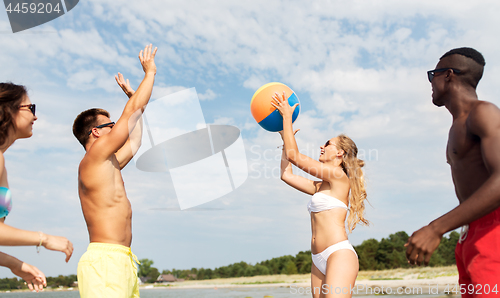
point(159, 91)
point(224, 121)
point(254, 82)
point(208, 95)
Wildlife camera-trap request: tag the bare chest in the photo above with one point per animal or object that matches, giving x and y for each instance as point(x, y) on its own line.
point(102, 180)
point(463, 147)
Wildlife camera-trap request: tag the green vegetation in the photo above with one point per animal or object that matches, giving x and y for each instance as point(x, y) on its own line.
point(52, 282)
point(11, 283)
point(301, 263)
point(145, 270)
point(388, 253)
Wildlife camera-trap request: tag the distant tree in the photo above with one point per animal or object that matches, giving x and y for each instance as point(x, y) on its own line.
point(261, 270)
point(153, 275)
point(144, 267)
point(224, 272)
point(396, 252)
point(201, 274)
point(303, 261)
point(272, 265)
point(445, 253)
point(208, 273)
point(249, 271)
point(61, 280)
point(367, 253)
point(289, 268)
point(372, 254)
point(146, 270)
point(305, 267)
point(11, 284)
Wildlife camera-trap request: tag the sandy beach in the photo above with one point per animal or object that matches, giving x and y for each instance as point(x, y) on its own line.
point(416, 281)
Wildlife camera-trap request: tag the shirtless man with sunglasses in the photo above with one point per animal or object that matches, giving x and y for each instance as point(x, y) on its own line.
point(108, 268)
point(473, 153)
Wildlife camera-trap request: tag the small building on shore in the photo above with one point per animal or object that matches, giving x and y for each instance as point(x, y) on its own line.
point(166, 278)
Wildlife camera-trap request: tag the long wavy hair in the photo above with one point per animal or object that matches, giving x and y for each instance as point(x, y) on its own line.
point(11, 97)
point(352, 165)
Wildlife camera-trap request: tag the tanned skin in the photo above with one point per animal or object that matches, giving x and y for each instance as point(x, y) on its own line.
point(104, 201)
point(472, 152)
point(327, 226)
point(10, 236)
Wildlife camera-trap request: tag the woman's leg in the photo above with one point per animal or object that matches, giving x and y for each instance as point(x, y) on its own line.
point(341, 272)
point(317, 280)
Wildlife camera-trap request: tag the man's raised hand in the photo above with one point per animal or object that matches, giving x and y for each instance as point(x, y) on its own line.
point(125, 85)
point(147, 58)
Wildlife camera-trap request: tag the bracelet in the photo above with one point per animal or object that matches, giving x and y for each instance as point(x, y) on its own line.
point(39, 244)
point(282, 146)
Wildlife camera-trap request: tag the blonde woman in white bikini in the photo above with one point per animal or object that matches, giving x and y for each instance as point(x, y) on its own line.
point(341, 189)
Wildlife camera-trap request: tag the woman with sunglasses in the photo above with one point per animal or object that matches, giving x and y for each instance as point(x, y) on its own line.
point(17, 116)
point(341, 189)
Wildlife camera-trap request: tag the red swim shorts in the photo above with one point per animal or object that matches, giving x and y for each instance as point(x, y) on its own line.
point(478, 257)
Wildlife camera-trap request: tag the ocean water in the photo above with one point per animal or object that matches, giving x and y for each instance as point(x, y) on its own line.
point(260, 292)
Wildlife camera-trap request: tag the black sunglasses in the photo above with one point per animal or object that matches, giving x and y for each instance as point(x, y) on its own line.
point(432, 73)
point(31, 107)
point(103, 125)
point(327, 144)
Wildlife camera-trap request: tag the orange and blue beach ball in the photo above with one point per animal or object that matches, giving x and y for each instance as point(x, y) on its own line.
point(264, 113)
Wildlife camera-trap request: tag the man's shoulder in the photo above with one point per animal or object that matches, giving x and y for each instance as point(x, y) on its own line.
point(483, 117)
point(92, 159)
point(86, 160)
point(94, 154)
point(482, 106)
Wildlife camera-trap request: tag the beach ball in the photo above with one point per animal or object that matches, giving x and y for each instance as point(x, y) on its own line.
point(264, 113)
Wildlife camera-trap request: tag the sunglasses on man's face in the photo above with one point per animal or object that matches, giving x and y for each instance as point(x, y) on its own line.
point(432, 73)
point(103, 125)
point(31, 107)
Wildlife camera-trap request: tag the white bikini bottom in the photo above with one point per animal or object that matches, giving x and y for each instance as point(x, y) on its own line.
point(321, 258)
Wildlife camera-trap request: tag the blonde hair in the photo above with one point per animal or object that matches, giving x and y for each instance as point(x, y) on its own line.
point(352, 165)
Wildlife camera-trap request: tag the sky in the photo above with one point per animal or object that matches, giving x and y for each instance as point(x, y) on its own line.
point(358, 67)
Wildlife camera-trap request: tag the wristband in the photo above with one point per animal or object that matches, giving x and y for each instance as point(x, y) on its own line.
point(39, 244)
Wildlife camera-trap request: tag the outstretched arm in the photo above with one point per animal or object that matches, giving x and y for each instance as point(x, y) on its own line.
point(10, 236)
point(484, 122)
point(125, 85)
point(110, 143)
point(34, 278)
point(300, 183)
point(127, 151)
point(303, 162)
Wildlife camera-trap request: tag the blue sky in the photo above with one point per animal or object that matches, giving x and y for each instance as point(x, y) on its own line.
point(358, 68)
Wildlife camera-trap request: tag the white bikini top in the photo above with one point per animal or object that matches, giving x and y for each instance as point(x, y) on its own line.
point(321, 202)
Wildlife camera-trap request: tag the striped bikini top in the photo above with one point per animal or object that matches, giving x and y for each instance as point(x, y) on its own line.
point(321, 202)
point(5, 201)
